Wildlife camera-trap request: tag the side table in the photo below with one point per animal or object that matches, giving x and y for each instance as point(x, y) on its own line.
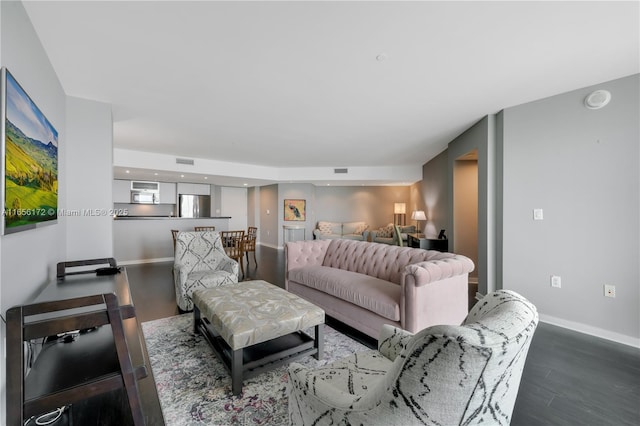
point(420, 241)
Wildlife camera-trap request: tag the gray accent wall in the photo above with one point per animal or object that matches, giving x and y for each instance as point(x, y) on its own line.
point(433, 193)
point(581, 167)
point(481, 137)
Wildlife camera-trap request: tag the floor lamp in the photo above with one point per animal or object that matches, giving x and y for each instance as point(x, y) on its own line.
point(399, 211)
point(418, 215)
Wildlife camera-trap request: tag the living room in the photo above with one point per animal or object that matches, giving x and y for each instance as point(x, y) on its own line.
point(549, 152)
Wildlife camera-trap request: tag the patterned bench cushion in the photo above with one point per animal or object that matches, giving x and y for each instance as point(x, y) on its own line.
point(255, 311)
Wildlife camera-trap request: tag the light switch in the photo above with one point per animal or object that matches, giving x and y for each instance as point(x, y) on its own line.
point(537, 214)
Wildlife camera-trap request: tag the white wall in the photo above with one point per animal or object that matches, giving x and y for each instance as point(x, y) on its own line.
point(28, 258)
point(581, 167)
point(234, 203)
point(90, 175)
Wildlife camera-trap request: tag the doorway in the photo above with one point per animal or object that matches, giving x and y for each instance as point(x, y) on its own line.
point(465, 213)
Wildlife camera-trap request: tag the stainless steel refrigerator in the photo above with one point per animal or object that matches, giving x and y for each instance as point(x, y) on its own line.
point(194, 205)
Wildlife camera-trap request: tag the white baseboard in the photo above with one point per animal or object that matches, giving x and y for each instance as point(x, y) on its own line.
point(271, 246)
point(141, 261)
point(592, 331)
point(585, 329)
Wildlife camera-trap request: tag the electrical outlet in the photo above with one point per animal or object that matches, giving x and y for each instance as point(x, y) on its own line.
point(556, 281)
point(610, 290)
point(538, 214)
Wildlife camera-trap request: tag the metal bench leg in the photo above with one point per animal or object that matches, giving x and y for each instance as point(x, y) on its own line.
point(319, 342)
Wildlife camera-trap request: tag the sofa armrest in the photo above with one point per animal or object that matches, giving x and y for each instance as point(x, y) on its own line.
point(392, 341)
point(435, 292)
point(447, 265)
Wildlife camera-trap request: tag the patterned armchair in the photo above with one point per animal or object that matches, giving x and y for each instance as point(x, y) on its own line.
point(442, 375)
point(200, 262)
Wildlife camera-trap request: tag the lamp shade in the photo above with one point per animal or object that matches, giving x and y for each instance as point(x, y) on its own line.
point(418, 215)
point(399, 208)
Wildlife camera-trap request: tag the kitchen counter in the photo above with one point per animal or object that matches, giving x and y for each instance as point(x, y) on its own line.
point(144, 239)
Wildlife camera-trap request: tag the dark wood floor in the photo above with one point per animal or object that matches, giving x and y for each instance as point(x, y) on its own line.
point(569, 378)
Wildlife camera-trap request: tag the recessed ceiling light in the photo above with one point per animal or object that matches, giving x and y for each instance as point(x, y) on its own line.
point(205, 178)
point(245, 184)
point(126, 171)
point(155, 174)
point(181, 175)
point(597, 99)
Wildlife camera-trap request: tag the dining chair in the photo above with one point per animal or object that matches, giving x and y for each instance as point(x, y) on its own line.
point(250, 244)
point(233, 242)
point(204, 228)
point(174, 235)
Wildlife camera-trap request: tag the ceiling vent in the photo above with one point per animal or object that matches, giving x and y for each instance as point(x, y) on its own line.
point(340, 171)
point(184, 161)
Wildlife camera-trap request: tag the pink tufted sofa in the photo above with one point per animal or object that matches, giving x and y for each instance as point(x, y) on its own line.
point(366, 285)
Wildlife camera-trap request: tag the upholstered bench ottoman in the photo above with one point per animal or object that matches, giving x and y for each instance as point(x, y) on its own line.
point(255, 326)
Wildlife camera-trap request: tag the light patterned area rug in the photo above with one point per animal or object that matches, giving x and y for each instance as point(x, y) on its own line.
point(195, 389)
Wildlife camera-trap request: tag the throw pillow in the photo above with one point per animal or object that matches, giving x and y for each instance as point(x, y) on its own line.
point(324, 227)
point(386, 232)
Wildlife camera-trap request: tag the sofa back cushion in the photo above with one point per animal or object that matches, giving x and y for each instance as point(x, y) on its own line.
point(386, 231)
point(327, 228)
point(353, 228)
point(374, 259)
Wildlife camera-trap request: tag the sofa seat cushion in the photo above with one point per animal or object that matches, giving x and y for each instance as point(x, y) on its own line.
point(357, 237)
point(376, 295)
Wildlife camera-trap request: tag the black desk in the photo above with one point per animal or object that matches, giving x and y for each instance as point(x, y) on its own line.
point(93, 354)
point(420, 241)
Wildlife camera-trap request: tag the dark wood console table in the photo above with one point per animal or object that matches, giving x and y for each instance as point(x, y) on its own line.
point(420, 241)
point(89, 356)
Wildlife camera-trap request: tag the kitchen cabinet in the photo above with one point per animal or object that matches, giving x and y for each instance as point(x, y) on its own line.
point(168, 193)
point(121, 191)
point(194, 189)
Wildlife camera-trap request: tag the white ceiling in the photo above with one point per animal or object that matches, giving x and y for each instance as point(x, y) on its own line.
point(299, 84)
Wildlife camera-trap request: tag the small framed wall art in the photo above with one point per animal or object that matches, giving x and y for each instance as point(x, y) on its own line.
point(295, 210)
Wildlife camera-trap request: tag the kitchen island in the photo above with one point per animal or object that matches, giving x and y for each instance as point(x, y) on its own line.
point(146, 239)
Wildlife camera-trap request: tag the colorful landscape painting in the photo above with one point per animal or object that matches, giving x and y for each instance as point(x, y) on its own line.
point(30, 162)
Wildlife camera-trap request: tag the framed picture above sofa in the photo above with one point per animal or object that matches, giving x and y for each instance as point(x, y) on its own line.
point(295, 210)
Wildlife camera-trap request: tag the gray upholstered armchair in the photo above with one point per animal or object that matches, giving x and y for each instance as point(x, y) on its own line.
point(200, 262)
point(442, 375)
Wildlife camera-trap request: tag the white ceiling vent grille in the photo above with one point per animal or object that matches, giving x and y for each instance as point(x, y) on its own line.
point(342, 171)
point(184, 161)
